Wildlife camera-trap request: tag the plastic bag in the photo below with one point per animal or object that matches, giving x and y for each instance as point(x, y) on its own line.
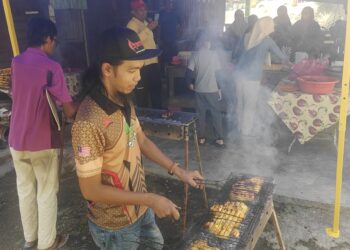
point(308, 67)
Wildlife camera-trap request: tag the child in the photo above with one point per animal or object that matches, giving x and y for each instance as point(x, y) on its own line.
point(204, 65)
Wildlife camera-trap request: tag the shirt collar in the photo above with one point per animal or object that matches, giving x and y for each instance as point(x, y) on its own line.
point(140, 22)
point(37, 51)
point(107, 105)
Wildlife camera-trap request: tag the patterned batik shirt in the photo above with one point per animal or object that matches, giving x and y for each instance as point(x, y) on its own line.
point(105, 144)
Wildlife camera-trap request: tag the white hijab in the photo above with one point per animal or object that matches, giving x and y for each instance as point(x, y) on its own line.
point(262, 29)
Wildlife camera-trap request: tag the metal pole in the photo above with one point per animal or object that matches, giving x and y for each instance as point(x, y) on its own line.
point(11, 27)
point(60, 159)
point(247, 7)
point(186, 185)
point(334, 231)
point(85, 38)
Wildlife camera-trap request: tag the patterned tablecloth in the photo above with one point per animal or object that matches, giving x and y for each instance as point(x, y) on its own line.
point(304, 114)
point(73, 79)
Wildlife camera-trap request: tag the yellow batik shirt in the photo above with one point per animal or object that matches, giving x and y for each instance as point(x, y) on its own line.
point(104, 144)
point(146, 37)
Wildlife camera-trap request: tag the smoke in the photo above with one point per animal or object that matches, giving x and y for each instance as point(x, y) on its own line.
point(250, 135)
point(251, 127)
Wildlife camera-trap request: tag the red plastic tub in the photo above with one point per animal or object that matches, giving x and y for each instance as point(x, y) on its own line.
point(318, 85)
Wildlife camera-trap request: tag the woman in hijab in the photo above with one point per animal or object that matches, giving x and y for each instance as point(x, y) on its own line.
point(249, 70)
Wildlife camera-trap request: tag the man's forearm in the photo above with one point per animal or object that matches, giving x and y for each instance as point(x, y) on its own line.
point(153, 153)
point(111, 195)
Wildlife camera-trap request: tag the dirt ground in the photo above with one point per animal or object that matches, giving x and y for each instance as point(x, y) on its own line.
point(72, 219)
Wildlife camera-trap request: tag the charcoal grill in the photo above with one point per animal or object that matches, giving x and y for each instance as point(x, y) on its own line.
point(261, 209)
point(175, 126)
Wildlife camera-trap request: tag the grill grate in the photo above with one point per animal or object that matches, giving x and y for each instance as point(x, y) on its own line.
point(247, 226)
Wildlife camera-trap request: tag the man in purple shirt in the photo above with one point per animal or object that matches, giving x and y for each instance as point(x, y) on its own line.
point(33, 140)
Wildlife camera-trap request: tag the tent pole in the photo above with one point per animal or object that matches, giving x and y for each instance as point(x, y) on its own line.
point(11, 27)
point(334, 231)
point(247, 7)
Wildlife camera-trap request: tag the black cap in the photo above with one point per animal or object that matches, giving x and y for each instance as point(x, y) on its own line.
point(121, 43)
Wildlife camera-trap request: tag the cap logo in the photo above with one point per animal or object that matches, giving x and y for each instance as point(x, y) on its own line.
point(137, 47)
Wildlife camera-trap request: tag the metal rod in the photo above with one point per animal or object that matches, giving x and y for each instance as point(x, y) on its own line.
point(198, 156)
point(60, 160)
point(186, 137)
point(209, 181)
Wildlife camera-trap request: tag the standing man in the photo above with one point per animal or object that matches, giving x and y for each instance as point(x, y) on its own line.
point(34, 143)
point(306, 33)
point(283, 26)
point(108, 144)
point(169, 22)
point(239, 25)
point(150, 86)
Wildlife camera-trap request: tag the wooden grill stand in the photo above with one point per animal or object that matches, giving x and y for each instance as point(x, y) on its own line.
point(267, 214)
point(154, 125)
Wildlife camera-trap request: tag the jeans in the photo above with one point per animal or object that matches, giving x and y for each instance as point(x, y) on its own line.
point(209, 102)
point(143, 234)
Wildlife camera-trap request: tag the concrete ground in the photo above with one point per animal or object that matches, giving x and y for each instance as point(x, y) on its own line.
point(304, 194)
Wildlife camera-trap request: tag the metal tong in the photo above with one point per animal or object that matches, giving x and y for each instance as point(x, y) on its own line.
point(209, 182)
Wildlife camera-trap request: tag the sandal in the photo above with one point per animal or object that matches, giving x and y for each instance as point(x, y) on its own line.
point(201, 141)
point(219, 143)
point(60, 241)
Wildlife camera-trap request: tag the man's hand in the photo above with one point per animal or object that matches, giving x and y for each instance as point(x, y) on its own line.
point(191, 87)
point(163, 207)
point(190, 177)
point(152, 25)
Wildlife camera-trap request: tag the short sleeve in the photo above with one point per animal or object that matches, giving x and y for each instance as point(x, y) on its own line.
point(217, 64)
point(88, 145)
point(59, 89)
point(137, 126)
point(192, 63)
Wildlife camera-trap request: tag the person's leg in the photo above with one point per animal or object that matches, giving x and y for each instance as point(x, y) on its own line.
point(250, 96)
point(201, 109)
point(150, 235)
point(141, 92)
point(239, 104)
point(45, 165)
point(214, 106)
point(26, 188)
point(155, 86)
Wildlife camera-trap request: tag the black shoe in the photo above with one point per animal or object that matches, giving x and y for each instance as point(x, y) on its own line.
point(30, 245)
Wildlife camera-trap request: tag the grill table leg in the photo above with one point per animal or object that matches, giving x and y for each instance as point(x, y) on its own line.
point(277, 229)
point(267, 214)
point(60, 159)
point(186, 185)
point(198, 156)
point(264, 218)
